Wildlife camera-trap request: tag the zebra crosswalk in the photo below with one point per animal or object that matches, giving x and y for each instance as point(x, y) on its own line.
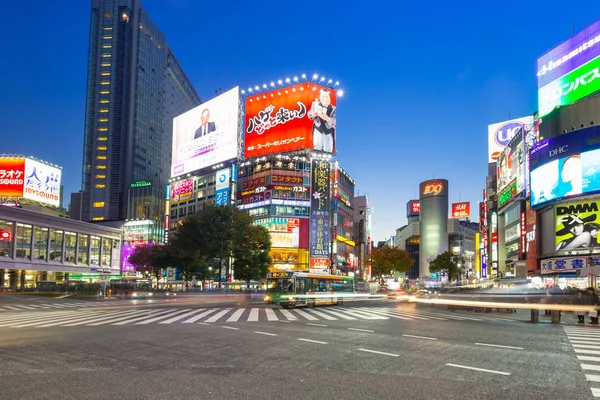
point(46, 306)
point(586, 344)
point(191, 315)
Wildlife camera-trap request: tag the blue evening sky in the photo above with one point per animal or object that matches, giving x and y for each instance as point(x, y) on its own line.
point(422, 80)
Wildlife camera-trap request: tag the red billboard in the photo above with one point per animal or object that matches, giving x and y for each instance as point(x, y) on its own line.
point(297, 117)
point(12, 177)
point(461, 210)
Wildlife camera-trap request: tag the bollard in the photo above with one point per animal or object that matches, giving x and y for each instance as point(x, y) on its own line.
point(555, 316)
point(535, 315)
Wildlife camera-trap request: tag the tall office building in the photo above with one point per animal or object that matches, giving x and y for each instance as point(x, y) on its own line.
point(135, 88)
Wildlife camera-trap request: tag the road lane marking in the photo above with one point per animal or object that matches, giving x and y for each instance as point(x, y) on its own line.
point(322, 315)
point(420, 337)
point(306, 315)
point(231, 327)
point(218, 315)
point(197, 317)
point(491, 371)
point(596, 352)
point(595, 392)
point(127, 321)
point(236, 315)
point(588, 358)
point(289, 315)
point(361, 330)
point(171, 314)
point(203, 323)
point(592, 378)
point(590, 367)
point(339, 314)
point(499, 345)
point(321, 325)
point(253, 317)
point(380, 352)
point(265, 333)
point(271, 316)
point(312, 341)
point(177, 318)
point(584, 346)
point(287, 322)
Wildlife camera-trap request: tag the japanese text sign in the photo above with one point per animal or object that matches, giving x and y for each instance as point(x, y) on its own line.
point(12, 177)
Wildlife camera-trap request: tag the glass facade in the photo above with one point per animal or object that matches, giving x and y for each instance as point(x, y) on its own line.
point(24, 233)
point(83, 241)
point(56, 245)
point(6, 245)
point(128, 141)
point(40, 246)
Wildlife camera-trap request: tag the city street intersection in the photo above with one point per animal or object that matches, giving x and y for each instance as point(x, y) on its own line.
point(375, 349)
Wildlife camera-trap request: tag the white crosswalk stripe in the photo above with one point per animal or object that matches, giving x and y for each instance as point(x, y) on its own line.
point(586, 344)
point(63, 304)
point(69, 317)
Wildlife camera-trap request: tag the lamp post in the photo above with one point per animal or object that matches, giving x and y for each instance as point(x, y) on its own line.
point(210, 276)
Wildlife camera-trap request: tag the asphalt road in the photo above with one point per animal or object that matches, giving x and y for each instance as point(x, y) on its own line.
point(374, 350)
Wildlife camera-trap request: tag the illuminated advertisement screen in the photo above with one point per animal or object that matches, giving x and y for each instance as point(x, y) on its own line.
point(207, 134)
point(510, 164)
point(182, 191)
point(320, 237)
point(461, 210)
point(297, 117)
point(42, 182)
point(565, 166)
point(12, 177)
point(577, 226)
point(500, 134)
point(558, 81)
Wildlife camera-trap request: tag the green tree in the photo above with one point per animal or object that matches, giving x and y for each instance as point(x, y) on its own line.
point(384, 260)
point(251, 258)
point(141, 259)
point(152, 260)
point(446, 262)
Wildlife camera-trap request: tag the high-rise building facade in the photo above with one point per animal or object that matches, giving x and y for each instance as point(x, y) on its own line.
point(135, 88)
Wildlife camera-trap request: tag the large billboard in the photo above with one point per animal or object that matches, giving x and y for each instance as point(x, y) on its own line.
point(298, 117)
point(500, 134)
point(510, 164)
point(12, 177)
point(461, 210)
point(569, 71)
point(577, 225)
point(30, 179)
point(182, 191)
point(320, 235)
point(565, 166)
point(222, 187)
point(42, 182)
point(206, 135)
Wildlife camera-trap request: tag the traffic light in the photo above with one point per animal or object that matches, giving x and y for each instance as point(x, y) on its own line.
point(4, 235)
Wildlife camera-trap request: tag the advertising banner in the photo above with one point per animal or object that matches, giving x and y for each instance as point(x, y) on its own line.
point(577, 226)
point(576, 85)
point(565, 166)
point(222, 187)
point(319, 209)
point(279, 224)
point(12, 177)
point(206, 135)
point(252, 183)
point(287, 179)
point(500, 134)
point(531, 240)
point(413, 207)
point(42, 182)
point(563, 264)
point(182, 191)
point(508, 193)
point(510, 164)
point(301, 116)
point(574, 52)
point(461, 210)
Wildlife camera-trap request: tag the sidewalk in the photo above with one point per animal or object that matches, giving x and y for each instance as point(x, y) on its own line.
point(567, 317)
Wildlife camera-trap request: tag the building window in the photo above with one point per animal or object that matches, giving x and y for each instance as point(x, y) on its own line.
point(40, 244)
point(103, 120)
point(6, 245)
point(100, 176)
point(105, 73)
point(70, 245)
point(103, 110)
point(82, 248)
point(106, 252)
point(100, 166)
point(107, 37)
point(105, 82)
point(125, 17)
point(102, 139)
point(100, 157)
point(56, 244)
point(94, 250)
point(98, 204)
point(106, 55)
point(100, 186)
point(98, 219)
point(107, 46)
point(105, 91)
point(105, 64)
point(104, 101)
point(102, 129)
point(108, 15)
point(24, 233)
point(101, 148)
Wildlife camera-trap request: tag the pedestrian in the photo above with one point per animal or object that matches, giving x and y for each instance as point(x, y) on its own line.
point(580, 300)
